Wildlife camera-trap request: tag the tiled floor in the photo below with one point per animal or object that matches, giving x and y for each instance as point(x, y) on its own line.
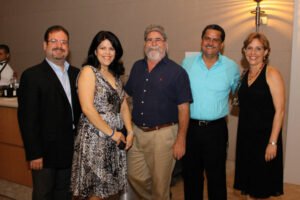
point(11, 191)
point(291, 192)
point(4, 197)
point(14, 191)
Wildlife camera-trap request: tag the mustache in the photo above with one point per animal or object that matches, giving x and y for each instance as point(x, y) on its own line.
point(153, 48)
point(57, 48)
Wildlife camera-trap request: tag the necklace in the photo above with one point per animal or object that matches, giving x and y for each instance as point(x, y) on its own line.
point(103, 70)
point(251, 76)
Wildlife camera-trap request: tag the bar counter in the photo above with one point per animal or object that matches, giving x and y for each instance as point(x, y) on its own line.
point(9, 102)
point(13, 165)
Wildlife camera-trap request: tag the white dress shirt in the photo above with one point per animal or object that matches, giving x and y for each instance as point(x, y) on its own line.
point(6, 74)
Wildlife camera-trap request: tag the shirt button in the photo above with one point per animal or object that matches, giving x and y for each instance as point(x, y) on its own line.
point(142, 113)
point(145, 90)
point(142, 102)
point(144, 124)
point(147, 79)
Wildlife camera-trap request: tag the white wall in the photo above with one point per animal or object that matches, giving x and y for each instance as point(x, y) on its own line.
point(23, 24)
point(292, 161)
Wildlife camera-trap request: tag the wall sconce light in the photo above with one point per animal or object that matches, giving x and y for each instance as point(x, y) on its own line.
point(264, 19)
point(260, 15)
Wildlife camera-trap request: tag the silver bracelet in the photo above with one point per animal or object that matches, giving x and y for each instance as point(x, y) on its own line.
point(112, 134)
point(273, 143)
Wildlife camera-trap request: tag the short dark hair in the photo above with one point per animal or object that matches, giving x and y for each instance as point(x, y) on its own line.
point(5, 48)
point(214, 27)
point(116, 67)
point(55, 28)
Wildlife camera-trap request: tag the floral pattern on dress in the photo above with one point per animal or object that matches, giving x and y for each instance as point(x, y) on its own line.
point(99, 166)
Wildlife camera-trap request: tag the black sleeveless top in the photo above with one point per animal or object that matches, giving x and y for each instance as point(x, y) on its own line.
point(253, 174)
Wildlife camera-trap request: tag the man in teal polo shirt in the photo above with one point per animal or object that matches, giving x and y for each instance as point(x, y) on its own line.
point(212, 77)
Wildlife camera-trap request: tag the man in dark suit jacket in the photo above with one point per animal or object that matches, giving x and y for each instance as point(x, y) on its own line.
point(48, 112)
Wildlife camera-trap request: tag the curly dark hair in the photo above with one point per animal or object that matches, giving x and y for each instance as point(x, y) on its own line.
point(116, 67)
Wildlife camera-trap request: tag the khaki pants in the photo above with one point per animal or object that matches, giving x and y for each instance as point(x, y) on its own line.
point(151, 162)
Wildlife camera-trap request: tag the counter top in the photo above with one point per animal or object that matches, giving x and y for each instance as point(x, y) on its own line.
point(9, 102)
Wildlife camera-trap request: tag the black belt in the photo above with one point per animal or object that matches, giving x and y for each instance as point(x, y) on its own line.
point(205, 122)
point(148, 129)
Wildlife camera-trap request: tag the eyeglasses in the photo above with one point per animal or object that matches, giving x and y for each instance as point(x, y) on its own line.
point(209, 39)
point(55, 41)
point(158, 40)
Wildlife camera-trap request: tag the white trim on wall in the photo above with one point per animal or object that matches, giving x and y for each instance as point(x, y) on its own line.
point(292, 161)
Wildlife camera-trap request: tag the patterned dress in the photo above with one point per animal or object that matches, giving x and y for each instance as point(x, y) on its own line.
point(253, 175)
point(99, 167)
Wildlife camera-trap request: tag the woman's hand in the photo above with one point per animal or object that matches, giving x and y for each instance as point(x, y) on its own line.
point(271, 152)
point(118, 137)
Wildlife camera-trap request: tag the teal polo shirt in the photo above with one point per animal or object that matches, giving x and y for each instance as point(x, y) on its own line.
point(210, 87)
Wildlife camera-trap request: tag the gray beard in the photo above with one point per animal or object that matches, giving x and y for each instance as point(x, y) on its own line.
point(155, 55)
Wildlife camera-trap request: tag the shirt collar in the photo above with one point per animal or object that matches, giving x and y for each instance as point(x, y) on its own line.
point(3, 62)
point(163, 60)
point(219, 61)
point(57, 68)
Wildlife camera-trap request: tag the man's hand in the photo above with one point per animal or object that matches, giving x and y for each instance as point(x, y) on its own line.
point(36, 164)
point(179, 148)
point(183, 123)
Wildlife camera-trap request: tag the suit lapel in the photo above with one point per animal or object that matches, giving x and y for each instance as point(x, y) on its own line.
point(73, 79)
point(56, 82)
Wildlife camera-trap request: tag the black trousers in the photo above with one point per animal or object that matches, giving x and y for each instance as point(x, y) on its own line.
point(51, 184)
point(206, 151)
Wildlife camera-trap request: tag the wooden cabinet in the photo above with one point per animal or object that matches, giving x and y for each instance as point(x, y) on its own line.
point(13, 165)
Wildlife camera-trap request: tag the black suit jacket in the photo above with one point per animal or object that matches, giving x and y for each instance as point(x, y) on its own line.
point(45, 115)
